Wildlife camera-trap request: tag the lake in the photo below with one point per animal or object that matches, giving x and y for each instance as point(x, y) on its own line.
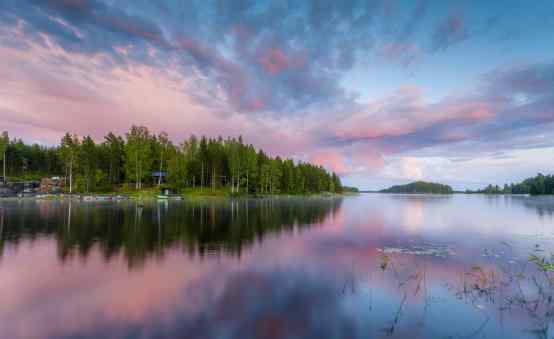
point(367, 266)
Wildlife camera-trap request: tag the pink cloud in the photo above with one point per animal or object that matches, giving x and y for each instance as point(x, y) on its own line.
point(275, 60)
point(406, 112)
point(331, 160)
point(39, 105)
point(369, 157)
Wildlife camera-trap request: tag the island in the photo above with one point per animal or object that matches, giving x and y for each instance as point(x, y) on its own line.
point(420, 187)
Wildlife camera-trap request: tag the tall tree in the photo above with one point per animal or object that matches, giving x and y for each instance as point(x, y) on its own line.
point(138, 154)
point(250, 166)
point(164, 143)
point(115, 149)
point(69, 151)
point(177, 164)
point(88, 160)
point(4, 142)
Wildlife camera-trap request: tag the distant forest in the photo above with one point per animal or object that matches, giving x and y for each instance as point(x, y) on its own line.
point(420, 187)
point(538, 185)
point(201, 163)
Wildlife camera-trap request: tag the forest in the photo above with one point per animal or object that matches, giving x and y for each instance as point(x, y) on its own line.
point(539, 185)
point(136, 160)
point(420, 187)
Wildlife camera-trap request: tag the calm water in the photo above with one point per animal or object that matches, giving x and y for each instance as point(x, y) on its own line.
point(371, 266)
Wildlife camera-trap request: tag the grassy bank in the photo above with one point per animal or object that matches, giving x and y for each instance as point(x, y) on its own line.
point(189, 193)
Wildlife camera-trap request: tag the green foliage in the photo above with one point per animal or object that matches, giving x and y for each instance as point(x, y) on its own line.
point(420, 187)
point(69, 154)
point(350, 189)
point(206, 165)
point(138, 155)
point(542, 263)
point(113, 154)
point(4, 142)
point(538, 185)
point(88, 161)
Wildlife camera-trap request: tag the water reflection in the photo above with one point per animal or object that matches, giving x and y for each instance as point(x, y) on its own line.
point(204, 227)
point(373, 266)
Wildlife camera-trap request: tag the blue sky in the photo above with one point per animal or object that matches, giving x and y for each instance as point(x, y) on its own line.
point(382, 92)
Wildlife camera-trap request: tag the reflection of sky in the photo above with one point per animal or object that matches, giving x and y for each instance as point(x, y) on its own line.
point(322, 282)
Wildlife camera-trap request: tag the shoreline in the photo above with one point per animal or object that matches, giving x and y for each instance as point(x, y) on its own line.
point(108, 197)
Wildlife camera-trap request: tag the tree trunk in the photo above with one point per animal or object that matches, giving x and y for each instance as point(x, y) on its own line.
point(71, 177)
point(161, 168)
point(137, 184)
point(238, 181)
point(213, 179)
point(4, 164)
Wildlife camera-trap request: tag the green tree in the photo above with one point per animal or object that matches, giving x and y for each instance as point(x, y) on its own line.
point(250, 167)
point(4, 142)
point(88, 161)
point(164, 144)
point(115, 153)
point(177, 167)
point(69, 152)
point(138, 154)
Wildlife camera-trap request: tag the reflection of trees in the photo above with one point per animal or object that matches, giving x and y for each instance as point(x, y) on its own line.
point(544, 206)
point(208, 227)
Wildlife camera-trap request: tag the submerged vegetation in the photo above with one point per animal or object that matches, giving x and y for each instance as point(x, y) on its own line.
point(142, 159)
point(420, 187)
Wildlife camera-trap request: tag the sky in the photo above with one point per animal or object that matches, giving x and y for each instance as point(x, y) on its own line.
point(382, 92)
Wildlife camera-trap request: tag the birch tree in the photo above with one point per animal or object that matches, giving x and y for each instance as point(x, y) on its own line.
point(69, 152)
point(138, 154)
point(164, 143)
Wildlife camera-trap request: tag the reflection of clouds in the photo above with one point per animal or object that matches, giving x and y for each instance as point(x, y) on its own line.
point(413, 216)
point(279, 304)
point(318, 283)
point(55, 300)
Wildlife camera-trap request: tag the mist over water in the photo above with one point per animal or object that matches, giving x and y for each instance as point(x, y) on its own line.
point(367, 266)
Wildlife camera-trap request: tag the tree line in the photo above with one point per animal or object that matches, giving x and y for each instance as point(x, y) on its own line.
point(420, 187)
point(200, 163)
point(539, 185)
